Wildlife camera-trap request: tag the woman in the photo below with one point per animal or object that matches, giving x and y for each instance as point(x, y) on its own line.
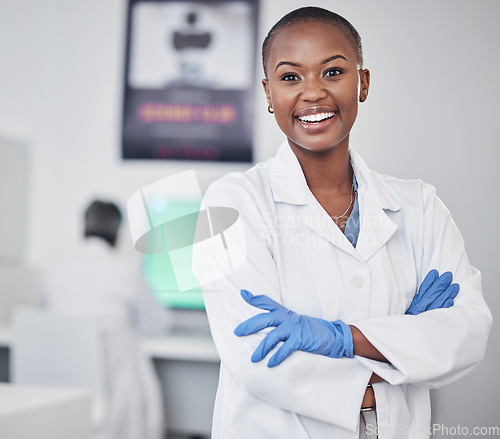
point(335, 257)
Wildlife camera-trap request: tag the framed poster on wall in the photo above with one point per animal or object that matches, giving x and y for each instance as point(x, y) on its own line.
point(189, 80)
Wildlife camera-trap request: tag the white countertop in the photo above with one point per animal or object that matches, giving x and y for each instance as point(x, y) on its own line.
point(182, 346)
point(16, 398)
point(44, 412)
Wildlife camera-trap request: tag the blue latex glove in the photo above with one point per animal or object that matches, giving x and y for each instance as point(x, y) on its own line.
point(435, 292)
point(298, 332)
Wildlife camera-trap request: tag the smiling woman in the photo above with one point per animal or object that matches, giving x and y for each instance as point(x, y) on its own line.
point(344, 262)
point(314, 93)
point(314, 85)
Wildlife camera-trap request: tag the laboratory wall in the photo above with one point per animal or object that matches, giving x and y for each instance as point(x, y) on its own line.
point(432, 113)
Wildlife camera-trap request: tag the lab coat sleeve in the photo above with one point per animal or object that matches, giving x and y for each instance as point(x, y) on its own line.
point(436, 347)
point(327, 389)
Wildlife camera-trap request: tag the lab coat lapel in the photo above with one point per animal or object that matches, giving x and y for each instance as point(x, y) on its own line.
point(376, 228)
point(319, 222)
point(289, 185)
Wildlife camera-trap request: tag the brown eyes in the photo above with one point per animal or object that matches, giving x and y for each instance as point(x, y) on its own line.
point(330, 73)
point(333, 72)
point(290, 77)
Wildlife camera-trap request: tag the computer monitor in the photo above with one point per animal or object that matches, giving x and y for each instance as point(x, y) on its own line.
point(159, 274)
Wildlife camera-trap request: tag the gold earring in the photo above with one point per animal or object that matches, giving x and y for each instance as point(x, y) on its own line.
point(270, 109)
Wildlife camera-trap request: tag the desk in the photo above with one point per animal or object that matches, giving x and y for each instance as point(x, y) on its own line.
point(5, 337)
point(191, 346)
point(188, 367)
point(44, 413)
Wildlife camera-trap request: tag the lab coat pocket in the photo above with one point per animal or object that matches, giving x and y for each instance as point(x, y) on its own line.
point(395, 282)
point(405, 301)
point(407, 289)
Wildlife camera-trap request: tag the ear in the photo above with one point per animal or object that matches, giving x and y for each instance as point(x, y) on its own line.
point(265, 84)
point(364, 79)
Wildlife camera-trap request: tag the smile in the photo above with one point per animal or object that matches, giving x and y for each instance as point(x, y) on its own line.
point(316, 118)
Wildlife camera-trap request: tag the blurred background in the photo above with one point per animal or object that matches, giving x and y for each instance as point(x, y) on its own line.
point(432, 113)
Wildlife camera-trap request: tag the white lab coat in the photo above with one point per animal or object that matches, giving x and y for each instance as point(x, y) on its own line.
point(97, 274)
point(96, 281)
point(297, 256)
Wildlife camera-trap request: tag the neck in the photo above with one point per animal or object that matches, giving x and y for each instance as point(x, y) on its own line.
point(326, 171)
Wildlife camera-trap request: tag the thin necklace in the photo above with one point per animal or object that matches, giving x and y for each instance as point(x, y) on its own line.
point(348, 207)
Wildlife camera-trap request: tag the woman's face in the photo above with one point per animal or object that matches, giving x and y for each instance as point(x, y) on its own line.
point(314, 84)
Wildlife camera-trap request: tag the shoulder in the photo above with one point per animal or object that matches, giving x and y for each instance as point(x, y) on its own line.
point(392, 193)
point(401, 186)
point(406, 192)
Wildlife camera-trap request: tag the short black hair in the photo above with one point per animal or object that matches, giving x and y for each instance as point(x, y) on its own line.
point(312, 13)
point(102, 219)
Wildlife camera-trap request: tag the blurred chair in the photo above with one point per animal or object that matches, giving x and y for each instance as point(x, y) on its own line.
point(95, 350)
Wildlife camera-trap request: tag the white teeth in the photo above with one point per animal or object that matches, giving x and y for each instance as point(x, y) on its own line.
point(316, 117)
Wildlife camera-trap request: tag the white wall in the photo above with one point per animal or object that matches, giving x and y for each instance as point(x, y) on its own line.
point(432, 113)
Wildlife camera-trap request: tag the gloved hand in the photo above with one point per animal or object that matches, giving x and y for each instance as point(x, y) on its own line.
point(434, 292)
point(298, 332)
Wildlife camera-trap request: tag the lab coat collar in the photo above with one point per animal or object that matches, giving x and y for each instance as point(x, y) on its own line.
point(288, 185)
point(288, 182)
point(375, 199)
point(378, 194)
